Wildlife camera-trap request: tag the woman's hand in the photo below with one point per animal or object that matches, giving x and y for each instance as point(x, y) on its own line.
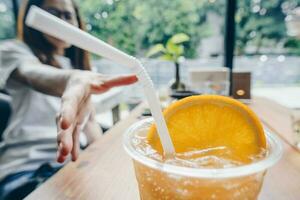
point(75, 87)
point(75, 107)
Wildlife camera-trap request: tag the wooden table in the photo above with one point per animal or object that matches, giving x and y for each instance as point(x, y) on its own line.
point(104, 171)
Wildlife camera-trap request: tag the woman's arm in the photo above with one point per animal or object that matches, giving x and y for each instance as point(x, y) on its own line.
point(43, 78)
point(75, 88)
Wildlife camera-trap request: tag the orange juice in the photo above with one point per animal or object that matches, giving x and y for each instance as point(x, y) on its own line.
point(222, 151)
point(196, 175)
point(156, 185)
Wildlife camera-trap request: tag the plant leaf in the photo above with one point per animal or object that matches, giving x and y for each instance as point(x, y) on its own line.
point(156, 49)
point(179, 38)
point(167, 57)
point(174, 49)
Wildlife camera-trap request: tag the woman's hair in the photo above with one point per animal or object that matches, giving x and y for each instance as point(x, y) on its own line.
point(43, 49)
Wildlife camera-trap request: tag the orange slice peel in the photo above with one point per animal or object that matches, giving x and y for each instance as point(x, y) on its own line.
point(210, 121)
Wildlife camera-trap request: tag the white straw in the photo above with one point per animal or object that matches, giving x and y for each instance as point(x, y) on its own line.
point(47, 23)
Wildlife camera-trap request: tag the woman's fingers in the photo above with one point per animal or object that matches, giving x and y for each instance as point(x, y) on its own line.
point(72, 100)
point(103, 85)
point(65, 143)
point(82, 118)
point(121, 80)
point(76, 145)
point(60, 157)
point(68, 140)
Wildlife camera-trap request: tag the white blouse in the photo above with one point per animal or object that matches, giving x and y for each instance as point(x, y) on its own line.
point(30, 138)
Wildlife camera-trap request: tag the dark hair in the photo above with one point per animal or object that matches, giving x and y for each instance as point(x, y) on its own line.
point(41, 47)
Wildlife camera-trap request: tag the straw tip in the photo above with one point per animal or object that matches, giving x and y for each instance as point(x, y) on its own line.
point(31, 17)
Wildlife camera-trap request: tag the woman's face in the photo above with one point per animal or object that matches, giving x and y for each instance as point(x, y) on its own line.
point(63, 9)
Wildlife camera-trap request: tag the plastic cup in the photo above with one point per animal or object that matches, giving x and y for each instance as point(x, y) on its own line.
point(157, 180)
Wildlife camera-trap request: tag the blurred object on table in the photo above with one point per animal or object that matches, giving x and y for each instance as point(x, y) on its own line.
point(182, 94)
point(292, 21)
point(209, 80)
point(241, 84)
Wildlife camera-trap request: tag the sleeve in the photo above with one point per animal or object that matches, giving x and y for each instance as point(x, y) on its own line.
point(13, 54)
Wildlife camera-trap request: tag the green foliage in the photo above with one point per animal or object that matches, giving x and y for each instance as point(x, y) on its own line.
point(156, 49)
point(134, 25)
point(179, 38)
point(293, 46)
point(7, 25)
point(172, 50)
point(162, 19)
point(112, 21)
point(261, 23)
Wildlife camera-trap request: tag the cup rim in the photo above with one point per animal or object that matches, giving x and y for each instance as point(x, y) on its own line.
point(274, 155)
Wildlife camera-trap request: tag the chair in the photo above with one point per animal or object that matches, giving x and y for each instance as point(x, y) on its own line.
point(5, 111)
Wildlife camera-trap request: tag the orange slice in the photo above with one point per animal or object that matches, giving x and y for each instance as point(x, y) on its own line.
point(211, 121)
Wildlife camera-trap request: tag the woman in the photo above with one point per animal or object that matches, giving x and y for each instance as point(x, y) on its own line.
point(36, 71)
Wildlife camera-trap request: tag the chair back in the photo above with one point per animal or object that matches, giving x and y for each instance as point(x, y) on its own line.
point(5, 112)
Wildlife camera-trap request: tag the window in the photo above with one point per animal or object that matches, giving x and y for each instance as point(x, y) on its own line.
point(134, 26)
point(263, 45)
point(7, 25)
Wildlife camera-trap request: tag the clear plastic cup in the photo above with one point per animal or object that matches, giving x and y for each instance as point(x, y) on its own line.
point(157, 180)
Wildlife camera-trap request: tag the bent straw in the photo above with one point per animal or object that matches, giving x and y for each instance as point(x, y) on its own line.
point(49, 24)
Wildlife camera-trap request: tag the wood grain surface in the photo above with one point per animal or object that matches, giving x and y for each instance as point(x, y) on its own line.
point(104, 171)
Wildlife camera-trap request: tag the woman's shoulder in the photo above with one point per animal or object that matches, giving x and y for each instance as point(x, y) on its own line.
point(15, 46)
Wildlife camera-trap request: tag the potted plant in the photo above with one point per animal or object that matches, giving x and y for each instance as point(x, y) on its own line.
point(172, 51)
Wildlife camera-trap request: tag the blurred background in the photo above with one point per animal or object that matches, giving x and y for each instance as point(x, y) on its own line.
point(261, 42)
